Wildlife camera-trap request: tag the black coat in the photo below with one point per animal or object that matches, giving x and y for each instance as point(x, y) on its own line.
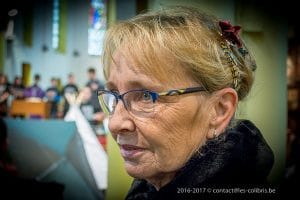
point(237, 164)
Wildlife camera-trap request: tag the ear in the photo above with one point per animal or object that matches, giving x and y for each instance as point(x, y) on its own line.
point(225, 104)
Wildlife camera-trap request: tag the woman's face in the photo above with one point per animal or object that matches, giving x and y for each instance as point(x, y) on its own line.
point(161, 144)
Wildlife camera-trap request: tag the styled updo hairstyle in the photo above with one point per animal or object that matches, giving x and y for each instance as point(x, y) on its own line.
point(187, 36)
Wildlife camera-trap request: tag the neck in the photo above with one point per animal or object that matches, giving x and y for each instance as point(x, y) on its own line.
point(161, 180)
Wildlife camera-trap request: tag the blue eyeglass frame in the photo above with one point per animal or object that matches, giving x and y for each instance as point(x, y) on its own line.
point(154, 95)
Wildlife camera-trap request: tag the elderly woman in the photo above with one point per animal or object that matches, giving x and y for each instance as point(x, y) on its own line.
point(174, 80)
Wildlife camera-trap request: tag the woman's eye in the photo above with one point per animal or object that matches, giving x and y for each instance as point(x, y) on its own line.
point(147, 96)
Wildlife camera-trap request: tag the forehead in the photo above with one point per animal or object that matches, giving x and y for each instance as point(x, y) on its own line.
point(123, 73)
point(164, 71)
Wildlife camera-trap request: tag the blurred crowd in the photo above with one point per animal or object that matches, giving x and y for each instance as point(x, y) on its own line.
point(55, 94)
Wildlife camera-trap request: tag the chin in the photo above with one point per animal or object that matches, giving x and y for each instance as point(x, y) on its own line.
point(138, 171)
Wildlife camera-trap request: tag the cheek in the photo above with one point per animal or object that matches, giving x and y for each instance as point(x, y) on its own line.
point(162, 145)
point(172, 135)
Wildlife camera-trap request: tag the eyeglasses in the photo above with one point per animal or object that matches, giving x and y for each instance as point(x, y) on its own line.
point(140, 102)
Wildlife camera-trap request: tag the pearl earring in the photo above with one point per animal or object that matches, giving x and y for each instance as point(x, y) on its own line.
point(215, 133)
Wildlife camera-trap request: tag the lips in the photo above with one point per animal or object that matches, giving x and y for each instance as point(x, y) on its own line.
point(130, 151)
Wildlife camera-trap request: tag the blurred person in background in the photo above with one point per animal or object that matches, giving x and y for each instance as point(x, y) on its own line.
point(17, 88)
point(95, 84)
point(34, 91)
point(70, 88)
point(4, 94)
point(93, 114)
point(53, 96)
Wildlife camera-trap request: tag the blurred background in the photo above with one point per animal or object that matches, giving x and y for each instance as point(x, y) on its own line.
point(50, 48)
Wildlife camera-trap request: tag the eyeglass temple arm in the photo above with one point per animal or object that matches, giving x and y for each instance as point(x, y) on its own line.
point(181, 91)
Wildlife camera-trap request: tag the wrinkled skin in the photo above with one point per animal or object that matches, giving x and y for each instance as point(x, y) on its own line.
point(169, 138)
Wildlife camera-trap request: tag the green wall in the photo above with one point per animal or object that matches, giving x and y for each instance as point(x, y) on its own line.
point(119, 181)
point(111, 12)
point(267, 103)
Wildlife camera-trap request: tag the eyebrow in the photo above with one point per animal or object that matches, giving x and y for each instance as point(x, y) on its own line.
point(110, 85)
point(134, 84)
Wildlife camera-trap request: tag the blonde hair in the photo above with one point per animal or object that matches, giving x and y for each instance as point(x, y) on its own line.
point(182, 35)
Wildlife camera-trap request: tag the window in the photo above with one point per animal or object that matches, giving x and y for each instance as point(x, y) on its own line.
point(97, 26)
point(55, 25)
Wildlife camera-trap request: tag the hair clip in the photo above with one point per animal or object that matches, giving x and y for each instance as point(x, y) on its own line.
point(243, 51)
point(231, 34)
point(233, 64)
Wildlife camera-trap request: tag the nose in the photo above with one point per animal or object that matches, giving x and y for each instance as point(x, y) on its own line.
point(120, 121)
